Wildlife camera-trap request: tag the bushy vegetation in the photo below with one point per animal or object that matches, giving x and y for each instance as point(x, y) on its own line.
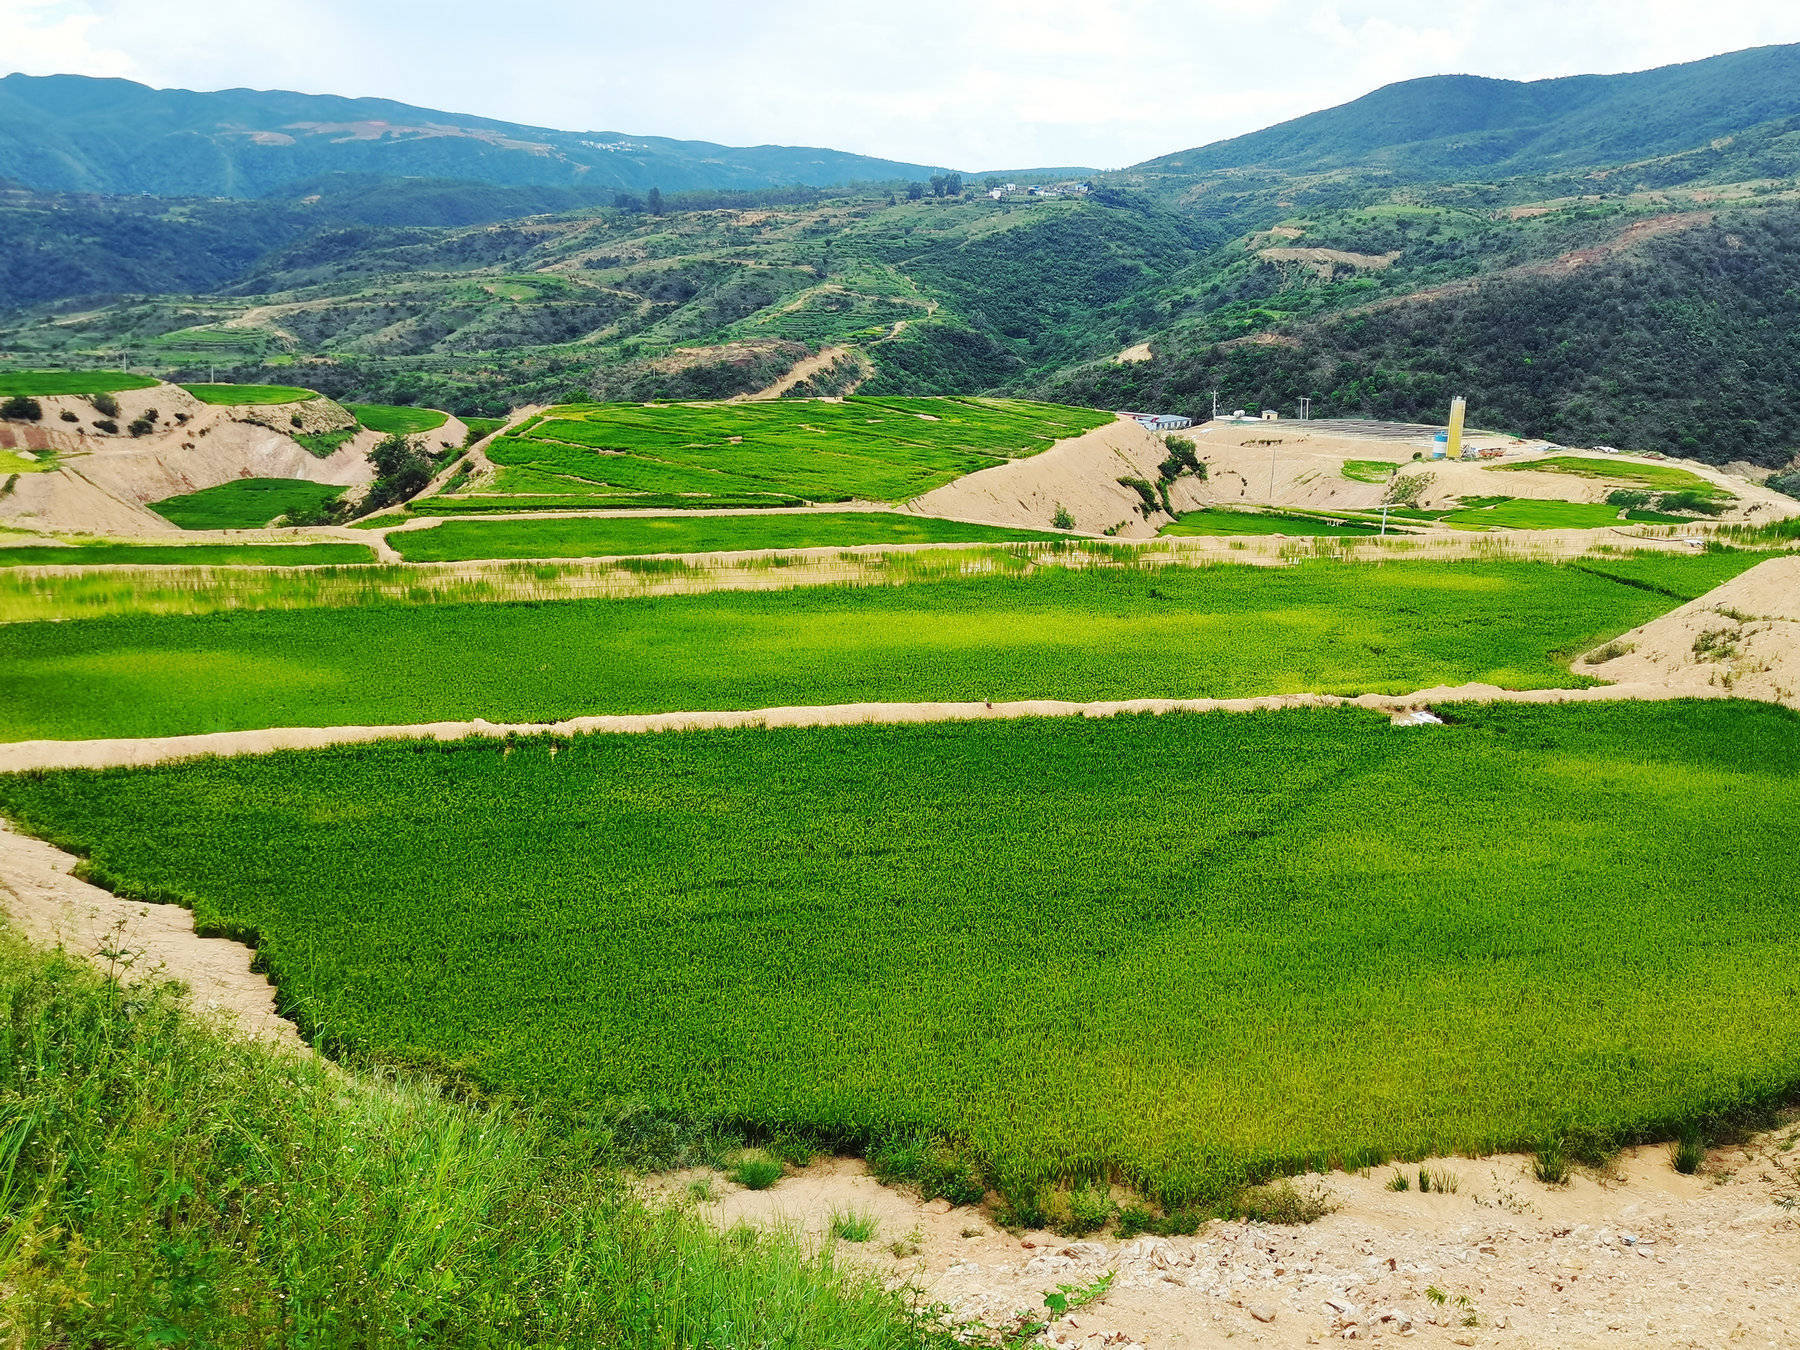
point(1668, 346)
point(1109, 633)
point(185, 555)
point(402, 471)
point(692, 909)
point(167, 1185)
point(244, 503)
point(875, 449)
point(590, 538)
point(249, 395)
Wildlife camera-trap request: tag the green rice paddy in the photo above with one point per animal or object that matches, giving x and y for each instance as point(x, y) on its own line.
point(243, 503)
point(1106, 633)
point(1526, 513)
point(614, 536)
point(55, 383)
point(243, 395)
point(876, 449)
point(392, 420)
point(1188, 951)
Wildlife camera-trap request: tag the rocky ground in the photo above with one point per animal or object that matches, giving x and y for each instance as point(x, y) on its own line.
point(1636, 1255)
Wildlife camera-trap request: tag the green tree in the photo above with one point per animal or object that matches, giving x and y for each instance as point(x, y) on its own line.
point(18, 408)
point(656, 201)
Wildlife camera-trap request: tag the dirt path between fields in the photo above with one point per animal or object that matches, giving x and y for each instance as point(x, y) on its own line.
point(23, 756)
point(802, 371)
point(1636, 1255)
point(52, 907)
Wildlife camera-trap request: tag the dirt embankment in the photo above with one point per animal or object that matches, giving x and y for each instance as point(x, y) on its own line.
point(1742, 639)
point(1079, 475)
point(1284, 463)
point(102, 482)
point(53, 907)
point(1635, 1255)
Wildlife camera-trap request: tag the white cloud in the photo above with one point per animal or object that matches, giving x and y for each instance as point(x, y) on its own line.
point(48, 38)
point(976, 83)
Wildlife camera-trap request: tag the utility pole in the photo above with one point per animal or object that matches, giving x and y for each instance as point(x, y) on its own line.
point(1306, 410)
point(1384, 511)
point(1215, 416)
point(1272, 448)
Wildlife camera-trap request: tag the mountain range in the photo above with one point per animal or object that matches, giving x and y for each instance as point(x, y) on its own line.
point(1598, 259)
point(70, 133)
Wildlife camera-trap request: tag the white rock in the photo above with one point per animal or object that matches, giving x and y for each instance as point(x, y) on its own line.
point(1085, 1251)
point(1262, 1312)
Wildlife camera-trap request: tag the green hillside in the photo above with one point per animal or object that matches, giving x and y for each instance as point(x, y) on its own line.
point(70, 132)
point(1675, 347)
point(1457, 126)
point(1596, 260)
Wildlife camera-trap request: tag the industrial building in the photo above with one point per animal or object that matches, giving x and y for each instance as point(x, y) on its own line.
point(1159, 421)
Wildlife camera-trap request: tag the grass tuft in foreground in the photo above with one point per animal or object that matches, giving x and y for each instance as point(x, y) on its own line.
point(166, 1186)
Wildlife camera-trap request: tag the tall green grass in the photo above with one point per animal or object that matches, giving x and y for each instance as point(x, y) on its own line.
point(1191, 952)
point(164, 1185)
point(99, 554)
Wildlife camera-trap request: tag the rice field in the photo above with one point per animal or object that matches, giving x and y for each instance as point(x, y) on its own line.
point(1012, 631)
point(57, 383)
point(614, 536)
point(245, 395)
point(391, 420)
point(1187, 952)
point(243, 503)
point(874, 449)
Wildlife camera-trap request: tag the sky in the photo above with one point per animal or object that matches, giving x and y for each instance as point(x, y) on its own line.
point(973, 84)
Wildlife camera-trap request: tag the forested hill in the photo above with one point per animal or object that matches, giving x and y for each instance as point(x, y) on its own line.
point(1456, 126)
point(73, 133)
point(1689, 344)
